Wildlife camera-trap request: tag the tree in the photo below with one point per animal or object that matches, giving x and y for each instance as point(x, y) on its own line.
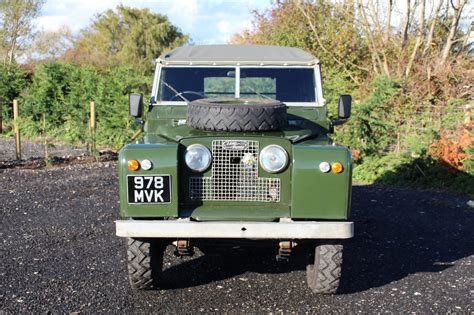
point(50, 45)
point(16, 18)
point(457, 11)
point(126, 36)
point(321, 27)
point(419, 38)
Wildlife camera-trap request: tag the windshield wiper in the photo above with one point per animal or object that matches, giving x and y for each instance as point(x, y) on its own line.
point(259, 94)
point(180, 94)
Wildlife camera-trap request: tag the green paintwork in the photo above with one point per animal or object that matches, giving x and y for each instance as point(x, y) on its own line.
point(316, 194)
point(306, 192)
point(168, 122)
point(164, 158)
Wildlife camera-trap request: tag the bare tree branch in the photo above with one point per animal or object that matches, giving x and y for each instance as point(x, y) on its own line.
point(321, 45)
point(374, 48)
point(388, 21)
point(406, 26)
point(419, 39)
point(434, 19)
point(457, 10)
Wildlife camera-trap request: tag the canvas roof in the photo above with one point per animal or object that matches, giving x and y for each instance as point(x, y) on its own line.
point(238, 54)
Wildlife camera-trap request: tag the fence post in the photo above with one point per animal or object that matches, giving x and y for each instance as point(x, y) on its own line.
point(92, 127)
point(1, 119)
point(17, 130)
point(45, 141)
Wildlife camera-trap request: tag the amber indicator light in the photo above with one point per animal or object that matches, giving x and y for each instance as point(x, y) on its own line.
point(337, 167)
point(133, 165)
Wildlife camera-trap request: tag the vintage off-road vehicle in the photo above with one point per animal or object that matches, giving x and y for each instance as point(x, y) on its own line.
point(236, 150)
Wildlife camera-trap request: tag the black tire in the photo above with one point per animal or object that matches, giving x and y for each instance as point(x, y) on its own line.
point(324, 269)
point(145, 263)
point(221, 114)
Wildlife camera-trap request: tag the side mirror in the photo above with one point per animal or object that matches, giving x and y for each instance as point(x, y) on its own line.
point(135, 105)
point(343, 111)
point(344, 107)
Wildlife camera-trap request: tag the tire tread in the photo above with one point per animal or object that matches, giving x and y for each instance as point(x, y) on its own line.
point(228, 117)
point(324, 272)
point(144, 263)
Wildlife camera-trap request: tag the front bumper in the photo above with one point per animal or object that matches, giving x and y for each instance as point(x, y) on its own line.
point(284, 229)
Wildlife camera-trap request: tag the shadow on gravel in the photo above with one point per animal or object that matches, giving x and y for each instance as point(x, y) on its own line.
point(398, 232)
point(225, 265)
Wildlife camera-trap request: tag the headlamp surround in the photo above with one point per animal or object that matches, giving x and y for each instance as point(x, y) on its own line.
point(273, 158)
point(197, 157)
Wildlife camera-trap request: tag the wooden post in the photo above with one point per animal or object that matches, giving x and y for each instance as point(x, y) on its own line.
point(17, 130)
point(1, 119)
point(45, 141)
point(92, 127)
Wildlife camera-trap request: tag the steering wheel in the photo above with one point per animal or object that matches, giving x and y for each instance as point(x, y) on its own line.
point(201, 94)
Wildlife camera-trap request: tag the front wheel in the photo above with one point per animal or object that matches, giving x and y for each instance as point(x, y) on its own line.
point(323, 272)
point(145, 263)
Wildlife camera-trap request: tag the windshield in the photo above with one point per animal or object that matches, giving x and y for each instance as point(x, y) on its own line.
point(283, 84)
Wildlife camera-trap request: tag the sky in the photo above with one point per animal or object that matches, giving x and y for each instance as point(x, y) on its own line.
point(205, 21)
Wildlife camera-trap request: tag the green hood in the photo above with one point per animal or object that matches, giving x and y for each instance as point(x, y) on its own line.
point(169, 122)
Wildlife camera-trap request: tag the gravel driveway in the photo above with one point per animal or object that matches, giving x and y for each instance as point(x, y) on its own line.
point(30, 149)
point(413, 251)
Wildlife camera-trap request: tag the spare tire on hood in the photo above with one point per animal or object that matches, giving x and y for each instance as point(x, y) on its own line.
point(237, 114)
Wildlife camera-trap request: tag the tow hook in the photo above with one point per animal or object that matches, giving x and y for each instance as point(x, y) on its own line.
point(183, 248)
point(284, 250)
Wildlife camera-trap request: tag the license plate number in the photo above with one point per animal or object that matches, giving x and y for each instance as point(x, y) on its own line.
point(149, 189)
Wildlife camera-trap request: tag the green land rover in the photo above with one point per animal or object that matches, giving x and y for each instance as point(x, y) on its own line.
point(236, 150)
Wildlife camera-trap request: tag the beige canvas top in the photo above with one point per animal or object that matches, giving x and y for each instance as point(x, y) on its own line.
point(238, 55)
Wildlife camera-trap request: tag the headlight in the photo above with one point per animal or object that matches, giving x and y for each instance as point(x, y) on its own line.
point(198, 157)
point(273, 158)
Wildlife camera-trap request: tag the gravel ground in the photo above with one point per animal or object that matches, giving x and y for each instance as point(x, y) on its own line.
point(413, 251)
point(31, 149)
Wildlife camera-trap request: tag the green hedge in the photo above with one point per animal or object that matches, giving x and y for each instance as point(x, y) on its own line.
point(62, 93)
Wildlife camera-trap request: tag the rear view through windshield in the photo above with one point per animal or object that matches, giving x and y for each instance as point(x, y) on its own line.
point(283, 84)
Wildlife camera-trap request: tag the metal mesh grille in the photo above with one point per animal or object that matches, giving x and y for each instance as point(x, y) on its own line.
point(235, 175)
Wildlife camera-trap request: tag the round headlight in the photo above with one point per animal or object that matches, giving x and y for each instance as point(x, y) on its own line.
point(273, 158)
point(198, 157)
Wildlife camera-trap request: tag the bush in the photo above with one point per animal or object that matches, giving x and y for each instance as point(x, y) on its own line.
point(61, 93)
point(372, 169)
point(424, 171)
point(469, 161)
point(369, 130)
point(12, 82)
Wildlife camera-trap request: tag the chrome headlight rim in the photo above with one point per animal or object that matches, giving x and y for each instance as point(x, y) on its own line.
point(268, 147)
point(204, 148)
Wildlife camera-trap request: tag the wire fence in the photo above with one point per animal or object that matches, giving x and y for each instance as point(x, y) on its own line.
point(31, 149)
point(43, 147)
point(417, 131)
point(412, 133)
